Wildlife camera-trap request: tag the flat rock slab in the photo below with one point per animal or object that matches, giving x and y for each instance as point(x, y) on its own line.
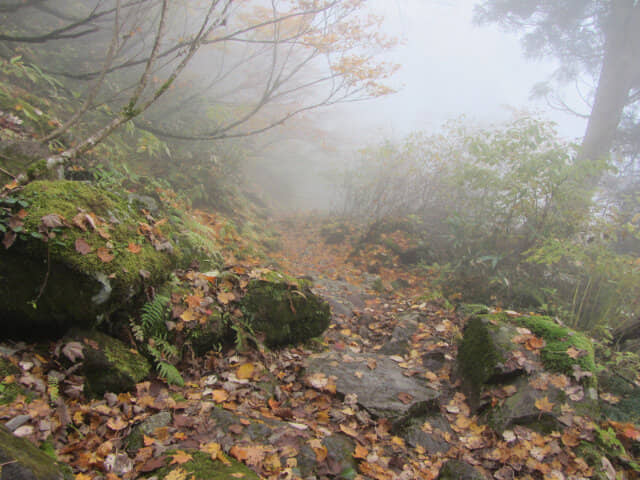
point(380, 384)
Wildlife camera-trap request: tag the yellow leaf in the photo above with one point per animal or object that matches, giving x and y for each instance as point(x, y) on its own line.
point(188, 316)
point(83, 476)
point(180, 457)
point(543, 404)
point(226, 297)
point(245, 371)
point(177, 474)
point(212, 448)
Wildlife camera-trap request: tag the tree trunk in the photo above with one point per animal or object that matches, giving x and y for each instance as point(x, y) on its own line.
point(622, 45)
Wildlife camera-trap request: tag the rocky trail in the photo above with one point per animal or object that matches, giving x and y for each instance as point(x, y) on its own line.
point(383, 394)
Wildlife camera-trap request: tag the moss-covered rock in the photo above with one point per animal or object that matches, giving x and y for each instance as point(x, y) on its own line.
point(284, 309)
point(90, 266)
point(20, 459)
point(109, 365)
point(523, 369)
point(202, 467)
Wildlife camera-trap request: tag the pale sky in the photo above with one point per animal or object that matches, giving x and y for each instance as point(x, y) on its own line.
point(451, 68)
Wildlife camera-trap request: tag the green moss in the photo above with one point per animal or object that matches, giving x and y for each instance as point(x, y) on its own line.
point(112, 366)
point(558, 339)
point(201, 467)
point(65, 198)
point(477, 356)
point(29, 457)
point(469, 309)
point(283, 311)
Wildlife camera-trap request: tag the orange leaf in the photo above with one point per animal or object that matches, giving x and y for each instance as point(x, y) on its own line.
point(134, 247)
point(104, 254)
point(220, 395)
point(180, 457)
point(360, 452)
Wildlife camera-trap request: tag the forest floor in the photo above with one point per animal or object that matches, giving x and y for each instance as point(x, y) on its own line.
point(91, 435)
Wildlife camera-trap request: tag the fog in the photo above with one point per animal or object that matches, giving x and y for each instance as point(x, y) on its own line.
point(449, 68)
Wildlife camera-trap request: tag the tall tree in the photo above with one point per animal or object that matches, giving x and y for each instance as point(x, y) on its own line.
point(596, 38)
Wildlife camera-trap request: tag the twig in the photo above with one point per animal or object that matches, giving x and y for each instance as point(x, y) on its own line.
point(7, 173)
point(46, 277)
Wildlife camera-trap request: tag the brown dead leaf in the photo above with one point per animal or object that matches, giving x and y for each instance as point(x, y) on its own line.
point(104, 254)
point(116, 424)
point(53, 220)
point(405, 398)
point(82, 247)
point(534, 343)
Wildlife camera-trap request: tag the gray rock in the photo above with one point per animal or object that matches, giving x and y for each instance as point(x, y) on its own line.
point(457, 470)
point(16, 422)
point(402, 333)
point(431, 439)
point(383, 391)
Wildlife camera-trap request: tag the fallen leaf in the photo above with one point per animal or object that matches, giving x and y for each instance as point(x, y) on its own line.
point(220, 395)
point(405, 398)
point(177, 474)
point(180, 457)
point(188, 316)
point(575, 353)
point(134, 248)
point(117, 424)
point(53, 220)
point(104, 254)
point(226, 297)
point(360, 452)
point(73, 351)
point(245, 371)
point(8, 239)
point(82, 247)
point(543, 404)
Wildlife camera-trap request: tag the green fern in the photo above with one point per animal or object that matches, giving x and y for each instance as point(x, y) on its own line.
point(153, 316)
point(170, 373)
point(152, 331)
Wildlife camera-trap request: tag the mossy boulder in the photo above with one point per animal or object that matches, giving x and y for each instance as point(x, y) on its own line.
point(21, 460)
point(108, 364)
point(81, 252)
point(202, 467)
point(284, 309)
point(520, 370)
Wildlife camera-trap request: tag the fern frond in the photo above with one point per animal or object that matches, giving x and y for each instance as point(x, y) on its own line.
point(170, 374)
point(154, 315)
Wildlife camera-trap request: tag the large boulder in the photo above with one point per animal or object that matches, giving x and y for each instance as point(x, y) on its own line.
point(73, 253)
point(284, 309)
point(21, 460)
point(379, 383)
point(526, 370)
